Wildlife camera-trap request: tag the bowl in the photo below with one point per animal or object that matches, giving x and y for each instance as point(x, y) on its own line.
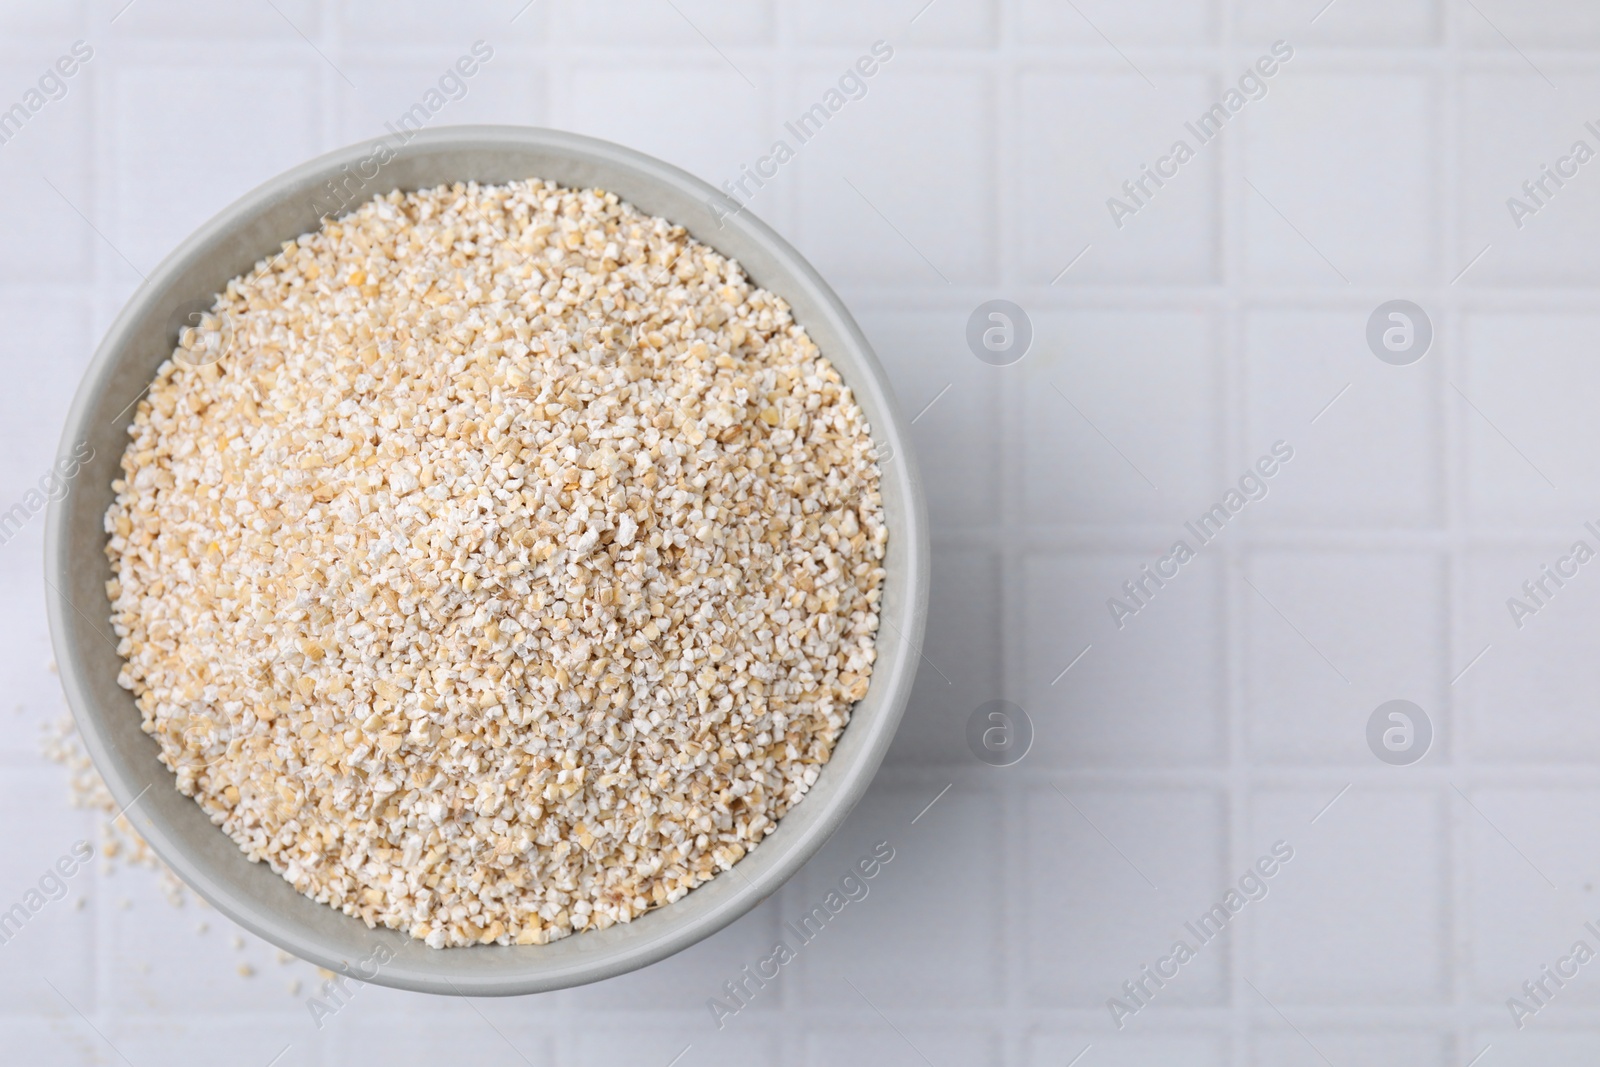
point(76, 567)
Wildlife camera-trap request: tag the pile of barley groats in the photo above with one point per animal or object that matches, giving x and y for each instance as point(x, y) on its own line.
point(512, 571)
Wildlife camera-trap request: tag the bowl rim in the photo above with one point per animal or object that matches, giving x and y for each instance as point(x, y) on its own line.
point(657, 934)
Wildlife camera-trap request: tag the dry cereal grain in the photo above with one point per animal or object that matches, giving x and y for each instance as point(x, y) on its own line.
point(512, 571)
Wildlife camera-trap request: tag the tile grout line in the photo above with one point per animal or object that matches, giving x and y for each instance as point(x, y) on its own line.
point(1009, 559)
point(1232, 437)
point(1012, 797)
point(1449, 439)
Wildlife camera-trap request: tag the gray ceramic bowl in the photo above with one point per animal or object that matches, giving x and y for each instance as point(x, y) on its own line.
point(76, 568)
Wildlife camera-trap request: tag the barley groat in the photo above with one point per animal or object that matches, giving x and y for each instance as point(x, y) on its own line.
point(512, 571)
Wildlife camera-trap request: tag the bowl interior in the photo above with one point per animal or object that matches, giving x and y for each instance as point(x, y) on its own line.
point(76, 568)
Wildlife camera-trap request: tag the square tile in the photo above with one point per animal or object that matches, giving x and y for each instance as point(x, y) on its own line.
point(1113, 877)
point(437, 1031)
point(43, 340)
point(1085, 133)
point(1524, 195)
point(42, 336)
point(1333, 200)
point(1569, 1047)
point(33, 702)
point(1146, 695)
point(737, 1046)
point(1526, 407)
point(951, 400)
point(1051, 1049)
point(45, 171)
point(1376, 619)
point(1118, 416)
point(450, 26)
point(525, 1023)
point(196, 19)
point(704, 117)
point(1378, 1048)
point(1529, 697)
point(66, 19)
point(890, 190)
point(260, 121)
point(858, 24)
point(1364, 433)
point(500, 90)
point(879, 935)
point(1522, 841)
point(686, 981)
point(203, 1042)
point(696, 24)
point(46, 912)
point(1373, 23)
point(1365, 897)
point(1570, 24)
point(1095, 22)
point(182, 963)
point(57, 1037)
point(962, 665)
point(902, 1044)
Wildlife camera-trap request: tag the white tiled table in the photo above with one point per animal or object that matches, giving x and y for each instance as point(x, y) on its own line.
point(1225, 316)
